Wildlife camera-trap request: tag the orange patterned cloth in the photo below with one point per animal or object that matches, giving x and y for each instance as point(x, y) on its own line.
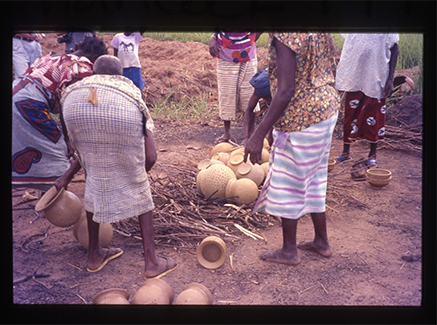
point(314, 99)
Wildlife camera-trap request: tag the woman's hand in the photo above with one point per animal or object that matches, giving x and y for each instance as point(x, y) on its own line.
point(254, 148)
point(151, 155)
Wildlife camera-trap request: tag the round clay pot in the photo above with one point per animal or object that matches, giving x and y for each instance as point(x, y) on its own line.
point(194, 294)
point(265, 155)
point(253, 172)
point(265, 167)
point(199, 181)
point(154, 292)
point(244, 189)
point(230, 188)
point(112, 297)
point(221, 156)
point(221, 147)
point(214, 180)
point(266, 144)
point(63, 208)
point(205, 163)
point(211, 252)
point(235, 160)
point(80, 231)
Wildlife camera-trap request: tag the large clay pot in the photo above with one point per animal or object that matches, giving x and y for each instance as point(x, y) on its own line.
point(154, 292)
point(205, 163)
point(194, 294)
point(214, 180)
point(244, 189)
point(63, 208)
point(211, 253)
point(221, 147)
point(265, 167)
point(199, 181)
point(253, 172)
point(265, 155)
point(221, 156)
point(235, 160)
point(112, 297)
point(80, 232)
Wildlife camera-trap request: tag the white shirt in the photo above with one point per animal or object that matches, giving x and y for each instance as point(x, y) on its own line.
point(127, 47)
point(364, 63)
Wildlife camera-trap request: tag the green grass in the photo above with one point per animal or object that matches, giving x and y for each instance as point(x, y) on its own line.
point(184, 108)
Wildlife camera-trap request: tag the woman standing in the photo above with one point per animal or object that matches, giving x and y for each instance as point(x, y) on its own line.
point(303, 113)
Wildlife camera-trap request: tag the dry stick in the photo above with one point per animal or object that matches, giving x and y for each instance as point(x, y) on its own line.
point(361, 257)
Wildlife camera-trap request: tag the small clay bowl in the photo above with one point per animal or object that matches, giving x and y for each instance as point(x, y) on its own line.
point(63, 208)
point(211, 252)
point(194, 294)
point(112, 297)
point(378, 177)
point(331, 164)
point(154, 292)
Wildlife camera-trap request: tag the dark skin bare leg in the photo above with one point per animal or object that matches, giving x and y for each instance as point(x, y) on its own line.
point(153, 265)
point(320, 243)
point(96, 254)
point(288, 253)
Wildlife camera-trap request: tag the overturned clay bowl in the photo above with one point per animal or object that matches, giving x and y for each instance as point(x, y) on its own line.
point(331, 164)
point(378, 177)
point(154, 292)
point(112, 297)
point(80, 232)
point(63, 208)
point(194, 294)
point(211, 252)
point(235, 160)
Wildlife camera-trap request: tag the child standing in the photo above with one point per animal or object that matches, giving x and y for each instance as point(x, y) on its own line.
point(126, 49)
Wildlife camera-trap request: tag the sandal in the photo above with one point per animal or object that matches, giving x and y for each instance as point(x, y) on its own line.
point(342, 159)
point(371, 163)
point(221, 139)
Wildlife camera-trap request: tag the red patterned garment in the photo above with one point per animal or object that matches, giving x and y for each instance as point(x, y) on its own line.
point(236, 47)
point(54, 72)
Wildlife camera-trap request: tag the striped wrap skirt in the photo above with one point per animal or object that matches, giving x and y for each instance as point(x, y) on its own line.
point(234, 88)
point(296, 182)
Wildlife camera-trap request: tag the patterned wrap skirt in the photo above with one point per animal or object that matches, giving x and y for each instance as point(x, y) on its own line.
point(109, 141)
point(296, 182)
point(234, 88)
point(38, 147)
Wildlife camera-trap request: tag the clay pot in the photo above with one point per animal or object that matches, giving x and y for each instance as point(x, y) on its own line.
point(221, 156)
point(235, 160)
point(221, 147)
point(199, 181)
point(80, 232)
point(194, 294)
point(205, 163)
point(245, 190)
point(266, 144)
point(265, 155)
point(154, 292)
point(331, 164)
point(265, 167)
point(63, 208)
point(253, 172)
point(214, 180)
point(378, 177)
point(211, 252)
point(112, 297)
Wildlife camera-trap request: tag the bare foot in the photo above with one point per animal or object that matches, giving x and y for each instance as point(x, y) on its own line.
point(324, 250)
point(164, 264)
point(278, 256)
point(98, 261)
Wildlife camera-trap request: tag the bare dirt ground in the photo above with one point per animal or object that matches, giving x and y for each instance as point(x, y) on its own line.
point(369, 230)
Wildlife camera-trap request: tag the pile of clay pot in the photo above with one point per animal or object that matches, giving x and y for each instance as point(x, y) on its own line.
point(156, 292)
point(226, 175)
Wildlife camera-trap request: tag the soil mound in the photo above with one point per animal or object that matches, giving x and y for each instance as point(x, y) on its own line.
point(408, 111)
